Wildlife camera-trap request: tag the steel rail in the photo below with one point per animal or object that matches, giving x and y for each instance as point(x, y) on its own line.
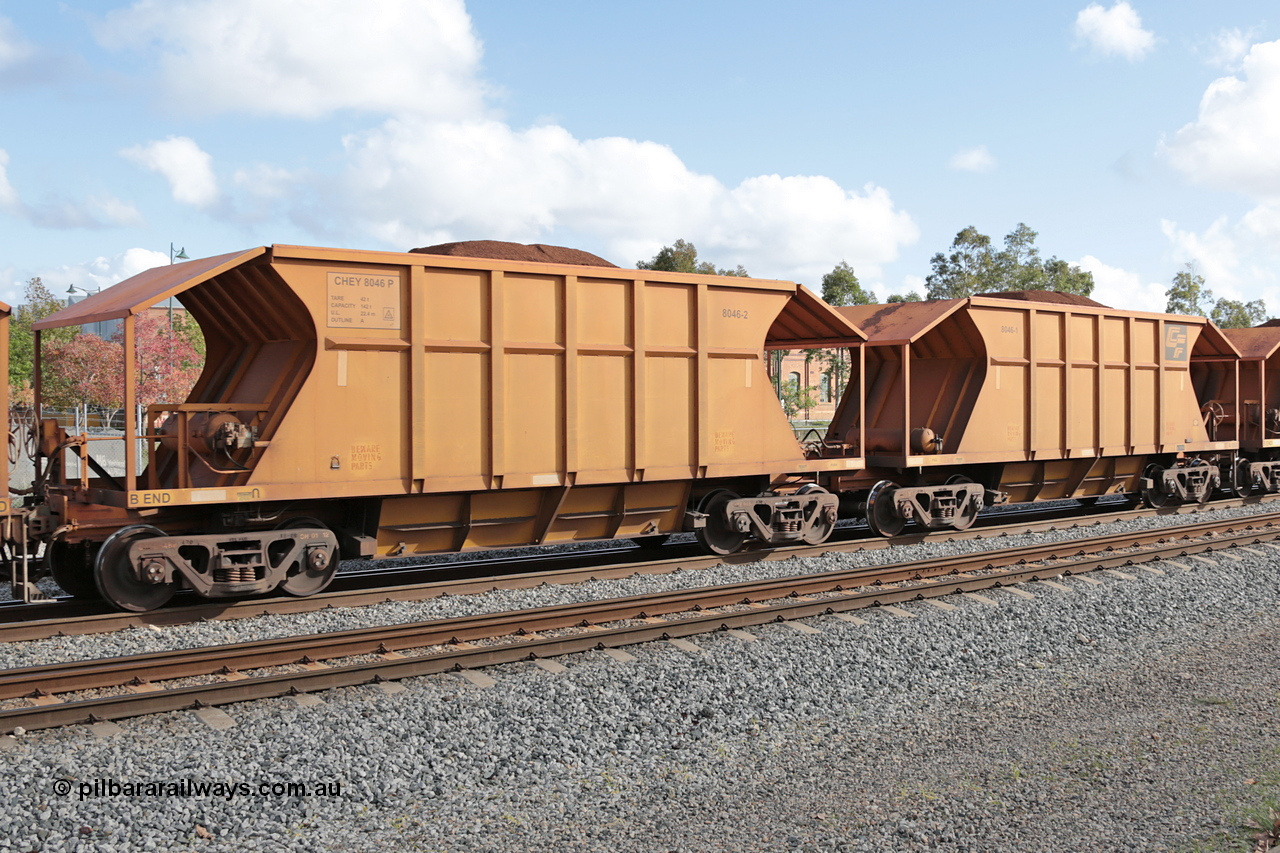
point(385, 641)
point(75, 617)
point(583, 566)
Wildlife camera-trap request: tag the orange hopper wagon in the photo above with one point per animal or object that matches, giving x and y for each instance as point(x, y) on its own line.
point(376, 404)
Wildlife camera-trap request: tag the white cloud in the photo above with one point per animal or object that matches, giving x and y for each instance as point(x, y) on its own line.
point(1120, 288)
point(187, 168)
point(266, 182)
point(977, 159)
point(1234, 143)
point(1228, 47)
point(10, 286)
point(1114, 32)
point(13, 48)
point(910, 284)
point(110, 210)
point(1238, 260)
point(100, 212)
point(9, 200)
point(99, 273)
point(102, 272)
point(307, 58)
point(442, 167)
point(103, 212)
point(414, 181)
point(799, 226)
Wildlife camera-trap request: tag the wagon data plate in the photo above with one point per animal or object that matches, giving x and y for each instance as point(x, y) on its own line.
point(363, 300)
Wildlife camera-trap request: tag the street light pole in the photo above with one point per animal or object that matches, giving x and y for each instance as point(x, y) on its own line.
point(71, 292)
point(180, 256)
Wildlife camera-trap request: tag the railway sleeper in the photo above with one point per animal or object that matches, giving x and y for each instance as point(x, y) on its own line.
point(225, 565)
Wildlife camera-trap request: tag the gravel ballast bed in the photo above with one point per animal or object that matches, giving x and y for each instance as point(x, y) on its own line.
point(1128, 716)
point(142, 640)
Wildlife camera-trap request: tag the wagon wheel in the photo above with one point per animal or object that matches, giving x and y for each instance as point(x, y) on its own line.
point(305, 578)
point(969, 513)
point(882, 517)
point(71, 568)
point(822, 527)
point(1155, 498)
point(718, 536)
point(115, 577)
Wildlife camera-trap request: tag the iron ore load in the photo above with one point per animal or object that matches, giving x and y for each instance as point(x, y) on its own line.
point(490, 395)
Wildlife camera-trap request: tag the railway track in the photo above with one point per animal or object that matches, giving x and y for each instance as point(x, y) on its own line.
point(417, 582)
point(325, 661)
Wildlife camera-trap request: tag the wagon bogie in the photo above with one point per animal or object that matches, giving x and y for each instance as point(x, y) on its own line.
point(1264, 476)
point(808, 515)
point(1181, 481)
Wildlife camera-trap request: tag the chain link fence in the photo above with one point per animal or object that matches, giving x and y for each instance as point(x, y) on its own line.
point(104, 427)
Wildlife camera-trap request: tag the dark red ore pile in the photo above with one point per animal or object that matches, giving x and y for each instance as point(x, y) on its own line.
point(1045, 296)
point(502, 251)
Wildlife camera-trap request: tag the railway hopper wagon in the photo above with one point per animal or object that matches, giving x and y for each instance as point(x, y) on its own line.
point(366, 404)
point(1031, 396)
point(1258, 468)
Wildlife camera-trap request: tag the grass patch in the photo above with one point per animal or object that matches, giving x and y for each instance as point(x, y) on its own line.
point(1262, 824)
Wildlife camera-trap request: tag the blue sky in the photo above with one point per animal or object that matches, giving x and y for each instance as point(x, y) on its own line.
point(1134, 137)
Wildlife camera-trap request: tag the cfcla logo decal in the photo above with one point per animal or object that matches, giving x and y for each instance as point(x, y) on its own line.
point(1175, 342)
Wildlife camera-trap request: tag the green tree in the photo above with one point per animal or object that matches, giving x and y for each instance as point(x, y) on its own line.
point(974, 265)
point(795, 398)
point(1233, 314)
point(841, 287)
point(187, 329)
point(38, 302)
point(1188, 294)
point(909, 296)
point(1019, 266)
point(682, 256)
point(1063, 277)
point(967, 270)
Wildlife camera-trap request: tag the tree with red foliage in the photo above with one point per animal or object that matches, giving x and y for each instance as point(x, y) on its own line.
point(86, 369)
point(90, 370)
point(168, 365)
